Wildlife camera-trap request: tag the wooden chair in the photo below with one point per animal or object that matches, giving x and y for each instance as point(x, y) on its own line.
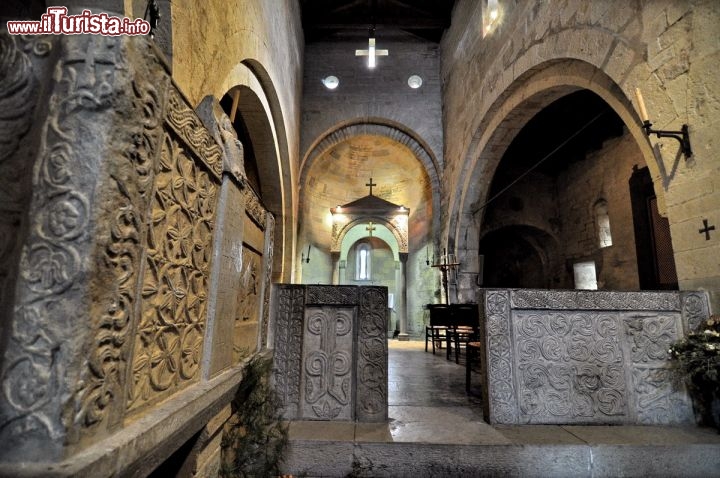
point(437, 327)
point(473, 353)
point(464, 328)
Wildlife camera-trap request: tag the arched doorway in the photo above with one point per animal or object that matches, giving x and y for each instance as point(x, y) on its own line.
point(512, 178)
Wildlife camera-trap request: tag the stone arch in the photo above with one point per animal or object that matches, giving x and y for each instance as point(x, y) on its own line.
point(353, 231)
point(528, 94)
point(266, 124)
point(380, 127)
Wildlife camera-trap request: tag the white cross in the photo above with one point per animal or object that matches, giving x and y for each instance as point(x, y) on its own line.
point(371, 53)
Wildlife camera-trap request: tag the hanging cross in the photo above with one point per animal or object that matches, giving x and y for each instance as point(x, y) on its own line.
point(706, 229)
point(370, 228)
point(371, 52)
point(371, 184)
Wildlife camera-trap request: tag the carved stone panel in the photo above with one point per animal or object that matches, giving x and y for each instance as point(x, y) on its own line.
point(569, 367)
point(245, 328)
point(585, 356)
point(695, 310)
point(330, 362)
point(289, 317)
point(501, 397)
point(325, 294)
point(169, 337)
point(267, 278)
point(657, 398)
point(327, 364)
point(372, 357)
point(593, 300)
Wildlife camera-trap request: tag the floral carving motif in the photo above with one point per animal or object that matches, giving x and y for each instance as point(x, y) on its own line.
point(288, 346)
point(650, 337)
point(52, 275)
point(169, 338)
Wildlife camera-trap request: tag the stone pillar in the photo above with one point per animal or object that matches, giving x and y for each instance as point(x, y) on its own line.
point(402, 297)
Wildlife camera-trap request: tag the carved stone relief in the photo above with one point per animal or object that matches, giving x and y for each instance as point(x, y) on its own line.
point(372, 357)
point(584, 357)
point(501, 388)
point(589, 300)
point(657, 399)
point(695, 310)
point(326, 391)
point(287, 359)
point(169, 337)
point(570, 367)
point(45, 354)
point(248, 305)
point(318, 294)
point(330, 363)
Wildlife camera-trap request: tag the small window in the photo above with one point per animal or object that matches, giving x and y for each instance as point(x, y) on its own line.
point(363, 261)
point(603, 224)
point(585, 275)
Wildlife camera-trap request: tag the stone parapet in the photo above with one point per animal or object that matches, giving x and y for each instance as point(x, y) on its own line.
point(584, 357)
point(330, 359)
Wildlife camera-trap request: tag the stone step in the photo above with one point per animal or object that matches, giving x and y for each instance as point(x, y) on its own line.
point(347, 449)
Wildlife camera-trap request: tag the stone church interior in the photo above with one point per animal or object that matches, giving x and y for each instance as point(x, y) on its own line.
point(361, 238)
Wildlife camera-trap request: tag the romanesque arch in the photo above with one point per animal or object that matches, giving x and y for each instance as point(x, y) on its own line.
point(526, 96)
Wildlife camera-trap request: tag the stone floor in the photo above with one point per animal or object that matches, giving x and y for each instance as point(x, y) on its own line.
point(437, 429)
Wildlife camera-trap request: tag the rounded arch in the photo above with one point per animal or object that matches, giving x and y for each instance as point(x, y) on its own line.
point(527, 95)
point(379, 127)
point(355, 230)
point(261, 108)
point(519, 255)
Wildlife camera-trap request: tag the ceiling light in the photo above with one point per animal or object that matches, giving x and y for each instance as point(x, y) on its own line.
point(414, 82)
point(331, 82)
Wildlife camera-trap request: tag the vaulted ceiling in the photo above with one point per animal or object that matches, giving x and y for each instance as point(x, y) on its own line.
point(323, 19)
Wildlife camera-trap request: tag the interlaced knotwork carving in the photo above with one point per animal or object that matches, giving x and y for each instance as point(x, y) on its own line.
point(570, 366)
point(372, 394)
point(500, 361)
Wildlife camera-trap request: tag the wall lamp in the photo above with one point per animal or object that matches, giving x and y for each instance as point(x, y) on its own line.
point(683, 136)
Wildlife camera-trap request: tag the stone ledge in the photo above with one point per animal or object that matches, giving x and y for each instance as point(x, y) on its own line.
point(576, 460)
point(147, 441)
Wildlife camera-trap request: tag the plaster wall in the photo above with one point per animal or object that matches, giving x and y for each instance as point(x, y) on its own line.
point(670, 49)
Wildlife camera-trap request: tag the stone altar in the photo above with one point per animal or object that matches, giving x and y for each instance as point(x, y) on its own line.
point(595, 357)
point(331, 358)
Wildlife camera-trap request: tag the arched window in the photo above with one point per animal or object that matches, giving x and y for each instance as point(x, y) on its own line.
point(603, 224)
point(362, 262)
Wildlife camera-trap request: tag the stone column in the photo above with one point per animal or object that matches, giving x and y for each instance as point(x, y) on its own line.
point(402, 297)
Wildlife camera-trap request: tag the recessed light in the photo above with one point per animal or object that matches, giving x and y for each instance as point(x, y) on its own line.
point(414, 82)
point(331, 82)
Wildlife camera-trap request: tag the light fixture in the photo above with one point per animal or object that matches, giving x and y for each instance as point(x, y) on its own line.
point(331, 82)
point(414, 82)
point(683, 136)
point(494, 10)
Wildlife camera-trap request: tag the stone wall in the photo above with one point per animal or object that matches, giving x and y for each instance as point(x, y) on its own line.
point(542, 50)
point(594, 357)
